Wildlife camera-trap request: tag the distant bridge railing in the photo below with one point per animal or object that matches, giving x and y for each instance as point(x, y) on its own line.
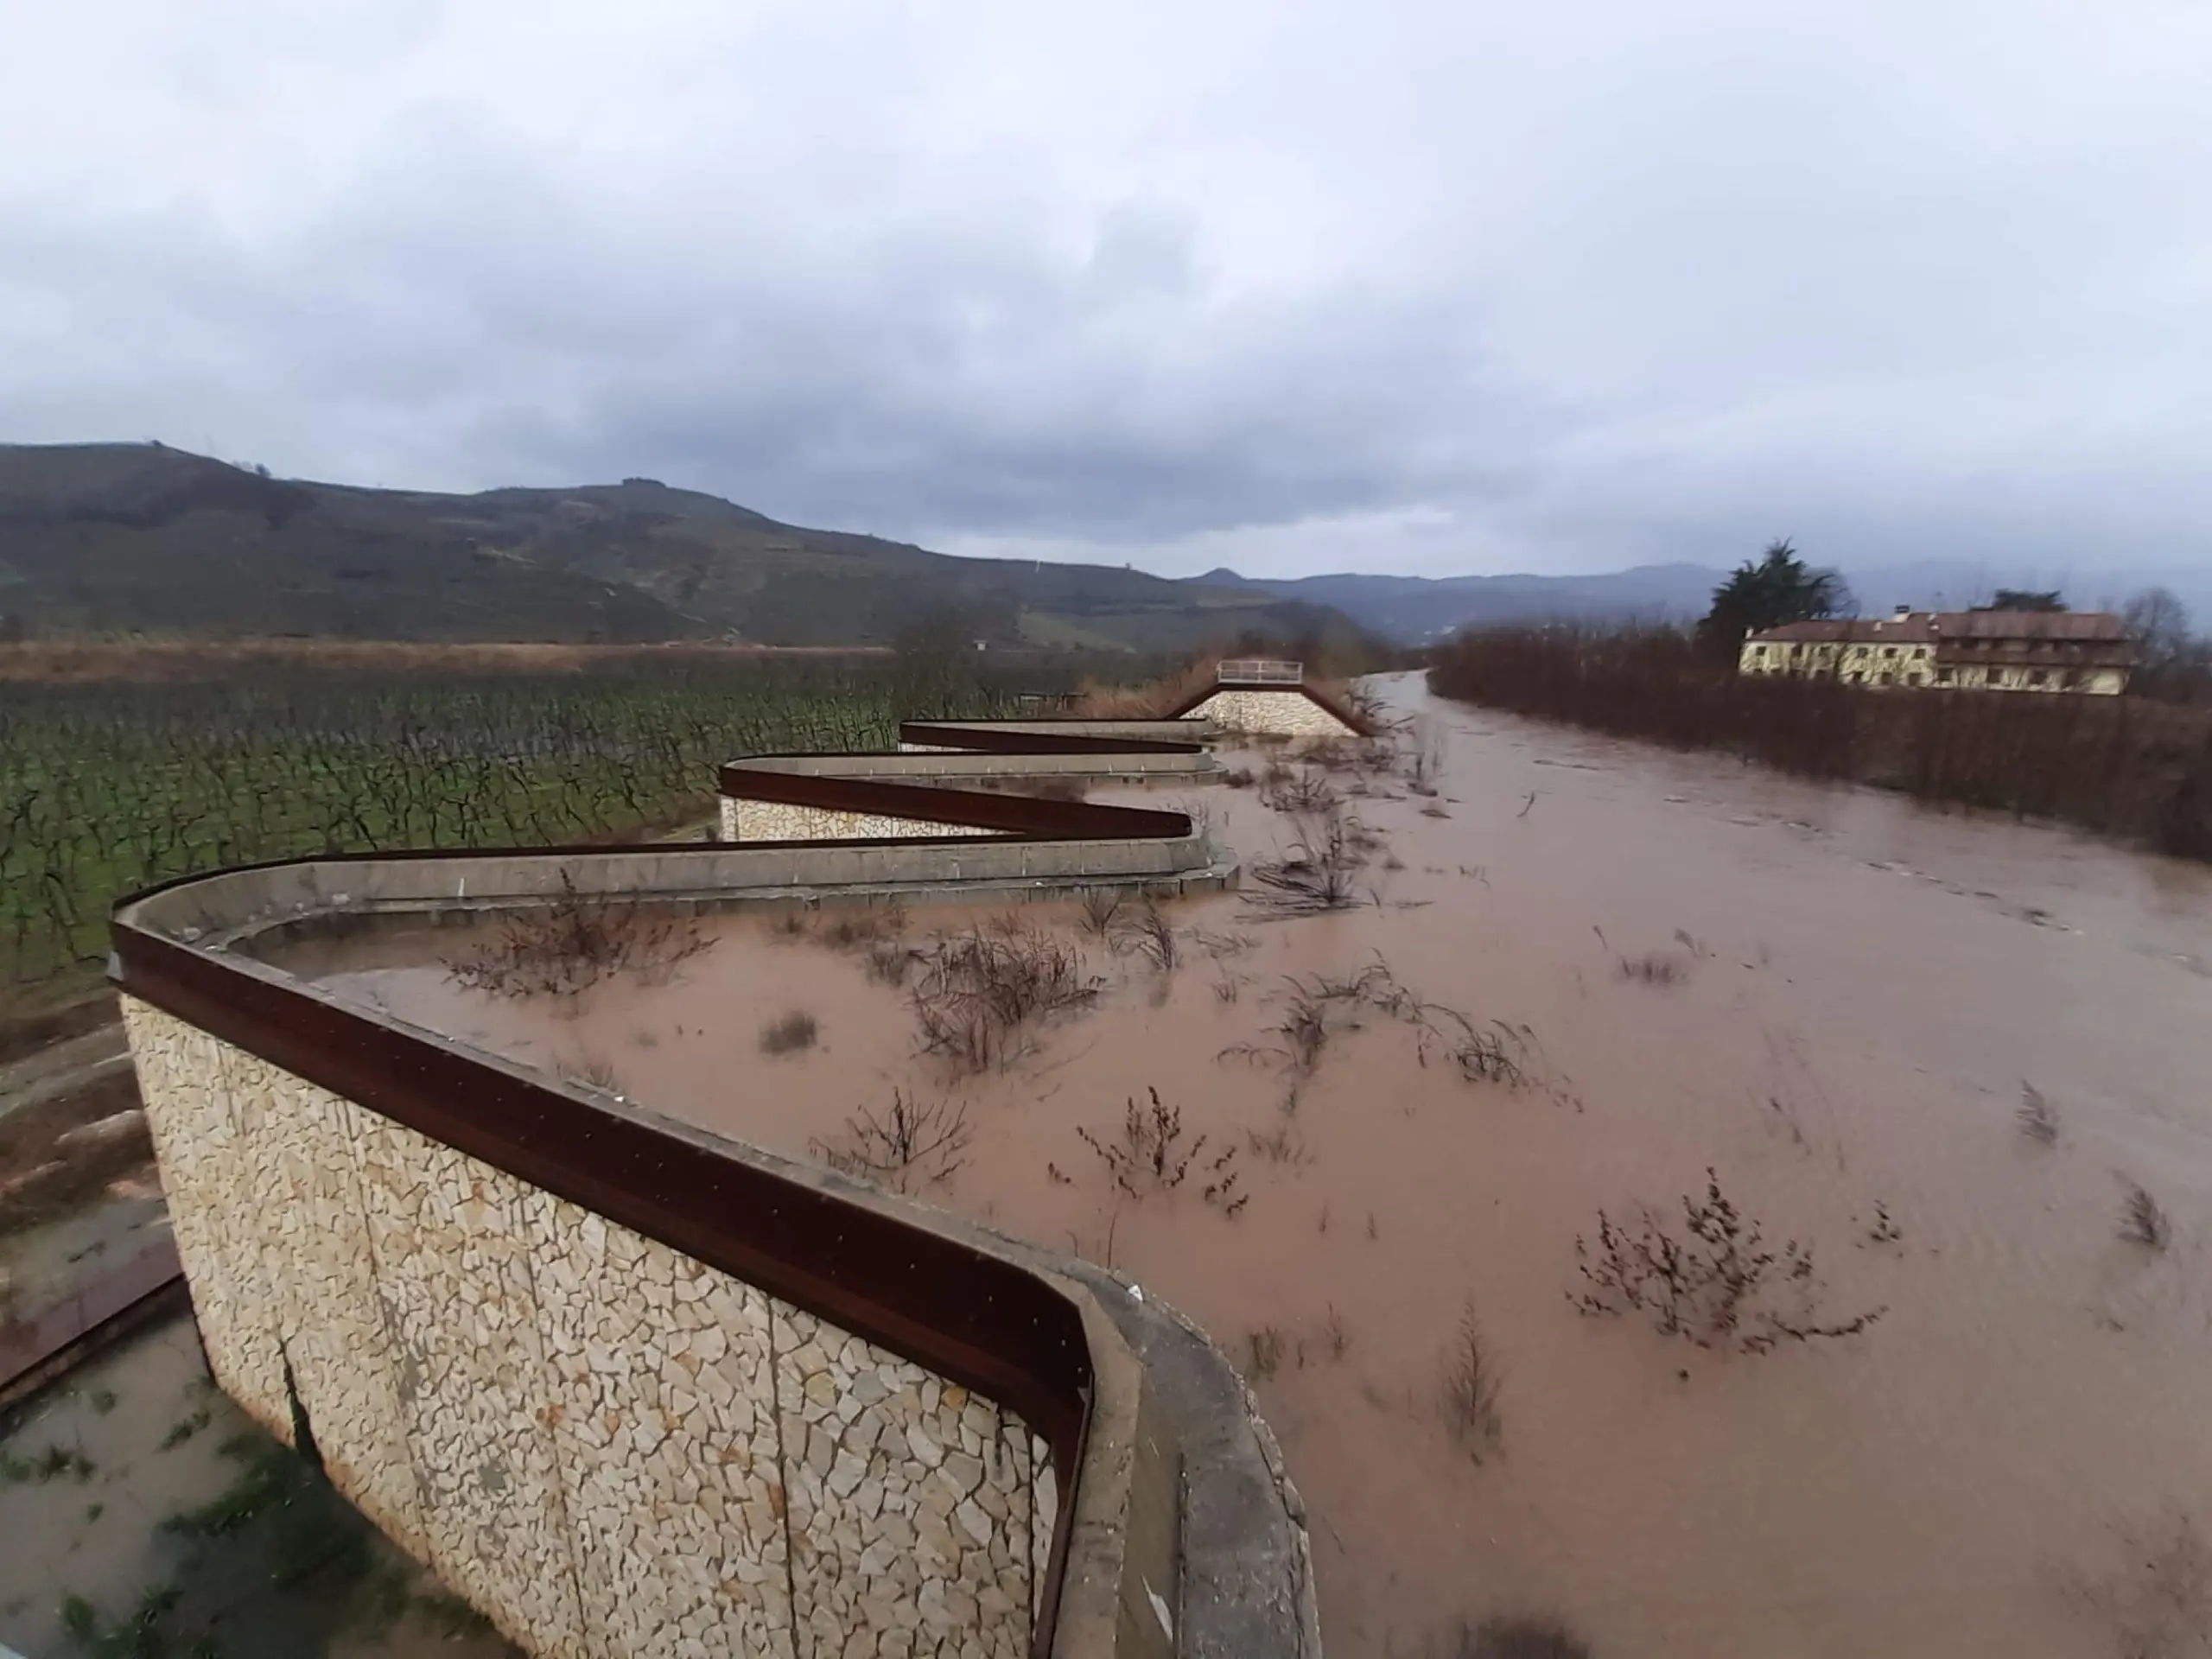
point(1258, 670)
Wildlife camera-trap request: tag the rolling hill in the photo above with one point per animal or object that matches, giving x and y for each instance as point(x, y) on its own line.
point(141, 538)
point(1417, 610)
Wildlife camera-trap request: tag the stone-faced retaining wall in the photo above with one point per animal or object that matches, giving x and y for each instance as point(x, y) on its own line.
point(746, 820)
point(1281, 711)
point(634, 1389)
point(607, 1447)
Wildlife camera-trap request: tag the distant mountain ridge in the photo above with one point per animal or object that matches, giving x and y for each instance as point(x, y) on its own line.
point(106, 538)
point(1416, 610)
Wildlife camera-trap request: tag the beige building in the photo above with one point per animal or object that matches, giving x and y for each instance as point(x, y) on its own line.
point(2084, 652)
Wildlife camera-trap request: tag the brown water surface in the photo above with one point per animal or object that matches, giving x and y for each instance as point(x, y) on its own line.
point(1846, 997)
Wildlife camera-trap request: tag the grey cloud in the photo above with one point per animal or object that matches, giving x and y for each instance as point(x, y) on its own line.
point(1477, 291)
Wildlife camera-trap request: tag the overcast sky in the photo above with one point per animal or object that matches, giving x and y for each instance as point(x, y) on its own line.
point(1435, 287)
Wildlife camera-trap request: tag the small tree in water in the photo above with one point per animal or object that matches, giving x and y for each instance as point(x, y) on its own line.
point(1777, 587)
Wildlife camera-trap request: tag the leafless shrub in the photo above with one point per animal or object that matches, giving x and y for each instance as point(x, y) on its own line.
point(793, 1033)
point(979, 991)
point(1318, 873)
point(1151, 1155)
point(888, 961)
point(1715, 1283)
point(1489, 1054)
point(1154, 936)
point(1227, 986)
point(1305, 789)
point(1219, 945)
point(1516, 1638)
point(1266, 1346)
point(1238, 778)
point(868, 927)
point(573, 942)
point(1102, 908)
point(1470, 1389)
point(1655, 967)
point(1884, 1230)
point(2143, 1220)
point(2037, 1117)
point(1277, 1146)
point(910, 1146)
point(1334, 1334)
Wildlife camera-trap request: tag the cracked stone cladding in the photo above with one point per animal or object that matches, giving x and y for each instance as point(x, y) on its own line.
point(1044, 1510)
point(743, 820)
point(181, 1078)
point(607, 1447)
point(453, 1247)
point(910, 1503)
point(306, 1220)
point(667, 1427)
point(1276, 713)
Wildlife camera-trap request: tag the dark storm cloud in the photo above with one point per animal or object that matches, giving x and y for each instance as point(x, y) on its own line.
point(1296, 289)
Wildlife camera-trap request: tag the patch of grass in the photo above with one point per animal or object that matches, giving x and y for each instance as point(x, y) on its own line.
point(2037, 1117)
point(793, 1033)
point(1655, 967)
point(1265, 1347)
point(270, 1476)
point(185, 1427)
point(142, 1636)
point(57, 1462)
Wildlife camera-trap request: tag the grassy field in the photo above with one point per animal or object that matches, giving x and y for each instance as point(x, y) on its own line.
point(105, 787)
point(2135, 770)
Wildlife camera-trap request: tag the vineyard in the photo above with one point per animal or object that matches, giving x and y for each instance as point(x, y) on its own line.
point(104, 788)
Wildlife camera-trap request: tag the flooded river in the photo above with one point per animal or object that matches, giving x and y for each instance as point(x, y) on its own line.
point(1836, 1003)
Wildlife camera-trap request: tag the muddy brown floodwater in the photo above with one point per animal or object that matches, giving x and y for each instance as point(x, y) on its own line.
point(1834, 1001)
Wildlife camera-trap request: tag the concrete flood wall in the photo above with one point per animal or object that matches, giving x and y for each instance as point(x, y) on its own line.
point(840, 796)
point(633, 1388)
